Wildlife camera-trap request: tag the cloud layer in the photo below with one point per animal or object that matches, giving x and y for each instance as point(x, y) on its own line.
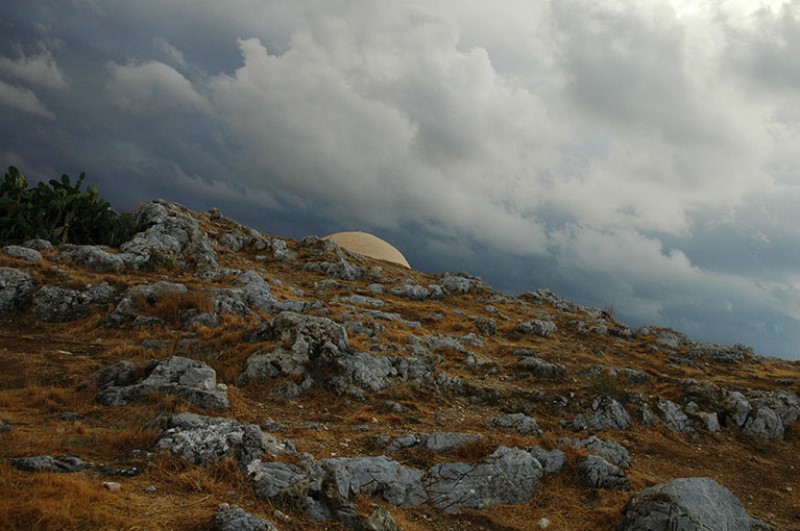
point(640, 155)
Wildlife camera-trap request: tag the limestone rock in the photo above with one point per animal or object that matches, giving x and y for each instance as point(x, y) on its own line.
point(16, 289)
point(54, 304)
point(301, 339)
point(537, 327)
point(595, 472)
point(38, 244)
point(674, 417)
point(723, 354)
point(256, 294)
point(611, 451)
point(92, 257)
point(509, 475)
point(376, 476)
point(234, 518)
point(607, 414)
point(691, 504)
point(203, 440)
point(737, 408)
point(410, 290)
point(439, 442)
point(190, 379)
point(552, 461)
point(361, 300)
point(518, 421)
point(542, 369)
point(765, 424)
point(772, 414)
point(456, 284)
point(380, 520)
point(29, 256)
point(169, 233)
point(46, 463)
point(271, 479)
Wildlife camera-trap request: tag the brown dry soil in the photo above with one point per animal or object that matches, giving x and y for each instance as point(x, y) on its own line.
point(42, 367)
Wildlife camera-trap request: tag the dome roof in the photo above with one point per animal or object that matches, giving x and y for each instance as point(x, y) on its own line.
point(369, 245)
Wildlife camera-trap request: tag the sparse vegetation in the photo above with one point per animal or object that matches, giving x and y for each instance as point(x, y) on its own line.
point(58, 211)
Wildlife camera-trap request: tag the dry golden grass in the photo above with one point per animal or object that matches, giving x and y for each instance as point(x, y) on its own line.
point(170, 306)
point(41, 366)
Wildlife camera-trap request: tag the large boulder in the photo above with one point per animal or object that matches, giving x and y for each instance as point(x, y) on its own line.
point(16, 289)
point(688, 504)
point(169, 236)
point(184, 377)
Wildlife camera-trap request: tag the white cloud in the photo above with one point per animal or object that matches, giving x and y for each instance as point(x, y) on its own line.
point(172, 53)
point(152, 86)
point(23, 100)
point(40, 69)
point(647, 148)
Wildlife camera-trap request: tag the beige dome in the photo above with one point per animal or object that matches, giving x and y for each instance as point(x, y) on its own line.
point(369, 245)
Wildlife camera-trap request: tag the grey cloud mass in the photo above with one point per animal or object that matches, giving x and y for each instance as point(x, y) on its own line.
point(635, 154)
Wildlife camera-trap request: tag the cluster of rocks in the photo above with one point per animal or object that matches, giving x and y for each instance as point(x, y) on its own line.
point(315, 350)
point(306, 350)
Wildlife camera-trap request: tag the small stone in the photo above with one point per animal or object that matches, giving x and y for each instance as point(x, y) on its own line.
point(151, 489)
point(280, 515)
point(543, 523)
point(112, 486)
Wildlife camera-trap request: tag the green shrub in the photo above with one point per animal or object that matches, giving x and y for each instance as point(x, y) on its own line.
point(59, 212)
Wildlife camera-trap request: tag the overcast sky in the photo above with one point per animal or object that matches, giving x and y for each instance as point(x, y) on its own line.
point(637, 155)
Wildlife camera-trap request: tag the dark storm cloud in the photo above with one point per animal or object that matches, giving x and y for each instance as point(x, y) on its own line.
point(640, 155)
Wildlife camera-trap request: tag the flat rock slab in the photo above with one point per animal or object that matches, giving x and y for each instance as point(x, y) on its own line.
point(47, 463)
point(507, 476)
point(440, 442)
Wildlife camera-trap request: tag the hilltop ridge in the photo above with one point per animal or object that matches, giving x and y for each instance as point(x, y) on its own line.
point(205, 374)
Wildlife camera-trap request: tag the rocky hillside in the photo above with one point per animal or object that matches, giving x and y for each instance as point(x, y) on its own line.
point(207, 376)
